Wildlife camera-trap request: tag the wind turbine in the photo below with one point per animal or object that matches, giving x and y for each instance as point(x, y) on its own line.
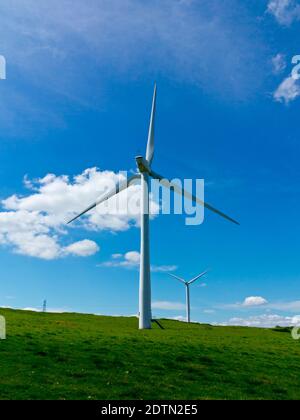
point(187, 289)
point(144, 165)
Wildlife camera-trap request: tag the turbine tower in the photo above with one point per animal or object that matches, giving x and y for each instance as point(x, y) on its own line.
point(187, 290)
point(144, 165)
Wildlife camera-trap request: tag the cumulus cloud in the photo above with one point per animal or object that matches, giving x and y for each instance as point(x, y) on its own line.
point(285, 11)
point(131, 259)
point(60, 197)
point(168, 306)
point(254, 301)
point(128, 260)
point(35, 224)
point(264, 321)
point(83, 248)
point(288, 90)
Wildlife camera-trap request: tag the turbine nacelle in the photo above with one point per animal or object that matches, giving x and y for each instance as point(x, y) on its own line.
point(143, 165)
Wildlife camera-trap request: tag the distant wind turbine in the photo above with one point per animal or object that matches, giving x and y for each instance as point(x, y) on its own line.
point(187, 289)
point(144, 173)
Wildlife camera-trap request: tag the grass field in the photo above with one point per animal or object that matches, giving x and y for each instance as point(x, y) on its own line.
point(74, 356)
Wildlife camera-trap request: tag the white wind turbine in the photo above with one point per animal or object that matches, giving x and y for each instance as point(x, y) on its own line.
point(187, 290)
point(145, 172)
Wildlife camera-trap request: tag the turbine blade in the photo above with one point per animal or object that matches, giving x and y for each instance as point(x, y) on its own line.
point(198, 277)
point(150, 144)
point(109, 194)
point(92, 206)
point(166, 183)
point(177, 278)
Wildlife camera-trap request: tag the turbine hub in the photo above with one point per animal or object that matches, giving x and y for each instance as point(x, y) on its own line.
point(142, 164)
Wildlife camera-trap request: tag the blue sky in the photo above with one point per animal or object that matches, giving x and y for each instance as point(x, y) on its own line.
point(77, 96)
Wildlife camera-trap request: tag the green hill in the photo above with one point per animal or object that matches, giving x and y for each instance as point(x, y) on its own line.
point(74, 356)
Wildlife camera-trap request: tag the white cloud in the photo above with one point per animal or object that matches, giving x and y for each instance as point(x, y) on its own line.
point(168, 306)
point(254, 301)
point(131, 259)
point(288, 90)
point(116, 256)
point(279, 63)
point(163, 268)
point(264, 321)
point(285, 11)
point(292, 306)
point(248, 303)
point(35, 224)
point(61, 198)
point(83, 248)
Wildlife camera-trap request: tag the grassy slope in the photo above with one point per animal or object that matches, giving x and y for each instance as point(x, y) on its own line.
point(73, 356)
